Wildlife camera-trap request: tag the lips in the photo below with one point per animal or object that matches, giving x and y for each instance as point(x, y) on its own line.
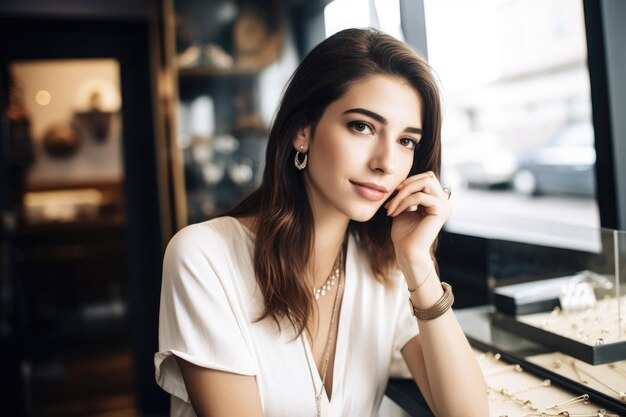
point(370, 191)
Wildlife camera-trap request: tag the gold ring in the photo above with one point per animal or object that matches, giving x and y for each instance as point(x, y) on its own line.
point(448, 191)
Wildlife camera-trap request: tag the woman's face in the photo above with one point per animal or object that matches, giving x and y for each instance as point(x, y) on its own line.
point(362, 147)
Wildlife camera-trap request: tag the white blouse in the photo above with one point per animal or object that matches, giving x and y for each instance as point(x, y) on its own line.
point(209, 303)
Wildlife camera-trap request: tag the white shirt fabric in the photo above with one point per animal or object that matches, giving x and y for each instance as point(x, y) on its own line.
point(210, 301)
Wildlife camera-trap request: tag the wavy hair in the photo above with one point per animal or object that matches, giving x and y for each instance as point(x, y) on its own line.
point(283, 217)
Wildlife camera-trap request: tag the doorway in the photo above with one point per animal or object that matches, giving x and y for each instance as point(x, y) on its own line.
point(80, 231)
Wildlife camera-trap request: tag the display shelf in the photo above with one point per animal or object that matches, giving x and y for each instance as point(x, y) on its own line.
point(209, 72)
point(223, 52)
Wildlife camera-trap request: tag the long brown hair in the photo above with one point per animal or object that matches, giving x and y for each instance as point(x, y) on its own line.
point(284, 221)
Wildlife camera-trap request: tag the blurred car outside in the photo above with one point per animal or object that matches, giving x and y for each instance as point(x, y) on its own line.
point(563, 166)
point(479, 159)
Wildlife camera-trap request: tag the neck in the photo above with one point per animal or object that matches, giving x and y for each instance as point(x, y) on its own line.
point(330, 229)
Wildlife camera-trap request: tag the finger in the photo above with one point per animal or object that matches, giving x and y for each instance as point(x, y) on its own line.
point(429, 175)
point(415, 177)
point(419, 185)
point(437, 189)
point(425, 184)
point(415, 200)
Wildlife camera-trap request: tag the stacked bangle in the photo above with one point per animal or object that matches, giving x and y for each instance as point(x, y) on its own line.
point(440, 307)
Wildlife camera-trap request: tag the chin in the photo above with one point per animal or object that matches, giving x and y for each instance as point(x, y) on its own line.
point(363, 214)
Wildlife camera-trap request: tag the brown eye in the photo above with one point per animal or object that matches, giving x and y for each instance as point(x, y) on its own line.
point(361, 127)
point(409, 143)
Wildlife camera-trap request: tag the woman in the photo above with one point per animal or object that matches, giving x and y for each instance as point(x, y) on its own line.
point(295, 302)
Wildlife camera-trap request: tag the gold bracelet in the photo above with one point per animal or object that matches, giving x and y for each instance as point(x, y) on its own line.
point(432, 266)
point(440, 307)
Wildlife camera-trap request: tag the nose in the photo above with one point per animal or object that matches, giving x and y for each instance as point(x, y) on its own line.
point(383, 160)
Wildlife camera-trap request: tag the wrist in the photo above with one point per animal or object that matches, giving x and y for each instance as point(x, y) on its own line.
point(414, 264)
point(420, 281)
point(417, 270)
point(428, 294)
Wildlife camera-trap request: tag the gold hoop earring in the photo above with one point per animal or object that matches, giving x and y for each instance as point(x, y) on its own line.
point(296, 160)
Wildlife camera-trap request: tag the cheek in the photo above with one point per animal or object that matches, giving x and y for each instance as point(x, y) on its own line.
point(332, 150)
point(404, 167)
point(408, 164)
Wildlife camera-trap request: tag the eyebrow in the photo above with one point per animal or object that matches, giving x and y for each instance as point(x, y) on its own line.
point(381, 119)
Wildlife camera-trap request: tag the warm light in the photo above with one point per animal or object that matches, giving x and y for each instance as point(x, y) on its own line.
point(62, 205)
point(43, 98)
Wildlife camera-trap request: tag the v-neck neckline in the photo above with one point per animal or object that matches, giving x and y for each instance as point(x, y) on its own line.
point(340, 347)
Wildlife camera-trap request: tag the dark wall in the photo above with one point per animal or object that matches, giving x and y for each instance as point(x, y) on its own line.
point(83, 9)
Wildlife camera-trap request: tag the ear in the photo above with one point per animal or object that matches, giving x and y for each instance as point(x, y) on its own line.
point(302, 139)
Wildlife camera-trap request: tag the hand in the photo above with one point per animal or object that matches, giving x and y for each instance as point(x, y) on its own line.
point(413, 232)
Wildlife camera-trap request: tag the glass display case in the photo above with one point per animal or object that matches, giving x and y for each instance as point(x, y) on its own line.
point(559, 314)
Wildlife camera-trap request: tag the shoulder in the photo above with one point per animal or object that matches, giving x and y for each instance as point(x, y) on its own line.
point(212, 237)
point(207, 257)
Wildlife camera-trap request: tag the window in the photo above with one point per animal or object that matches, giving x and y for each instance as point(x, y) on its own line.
point(380, 14)
point(518, 144)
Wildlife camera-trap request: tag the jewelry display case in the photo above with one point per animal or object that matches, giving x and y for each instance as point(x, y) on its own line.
point(513, 391)
point(519, 381)
point(548, 308)
point(571, 303)
point(559, 313)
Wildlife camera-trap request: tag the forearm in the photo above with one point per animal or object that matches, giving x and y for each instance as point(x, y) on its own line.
point(455, 380)
point(216, 393)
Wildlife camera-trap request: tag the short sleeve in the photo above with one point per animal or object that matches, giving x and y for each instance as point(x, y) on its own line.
point(201, 318)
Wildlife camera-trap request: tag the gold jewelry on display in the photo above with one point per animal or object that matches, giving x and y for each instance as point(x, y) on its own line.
point(620, 394)
point(495, 357)
point(334, 275)
point(600, 413)
point(580, 399)
point(543, 384)
point(432, 266)
point(527, 404)
point(595, 326)
point(440, 307)
point(579, 370)
point(576, 371)
point(318, 395)
point(296, 160)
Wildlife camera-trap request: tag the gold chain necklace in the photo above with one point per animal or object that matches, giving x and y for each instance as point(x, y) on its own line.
point(334, 274)
point(316, 395)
